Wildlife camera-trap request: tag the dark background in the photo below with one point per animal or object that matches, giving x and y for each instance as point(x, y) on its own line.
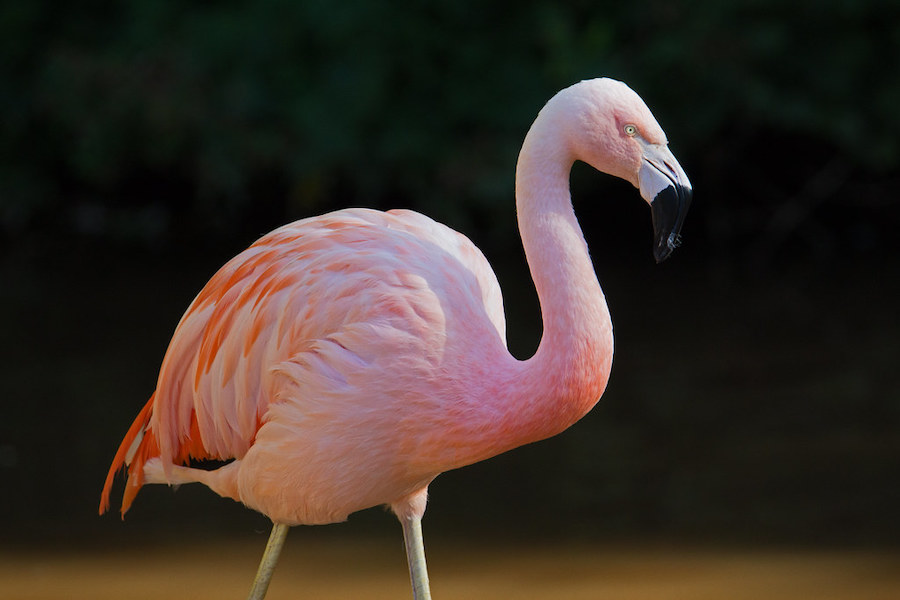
point(755, 395)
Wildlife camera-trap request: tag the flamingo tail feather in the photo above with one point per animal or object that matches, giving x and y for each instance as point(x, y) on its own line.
point(133, 452)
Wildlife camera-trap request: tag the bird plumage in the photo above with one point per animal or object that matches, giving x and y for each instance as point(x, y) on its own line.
point(344, 361)
point(346, 323)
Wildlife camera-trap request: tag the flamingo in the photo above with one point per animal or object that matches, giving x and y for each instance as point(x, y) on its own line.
point(343, 361)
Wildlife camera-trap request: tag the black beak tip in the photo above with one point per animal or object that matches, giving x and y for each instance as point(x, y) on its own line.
point(668, 210)
point(664, 247)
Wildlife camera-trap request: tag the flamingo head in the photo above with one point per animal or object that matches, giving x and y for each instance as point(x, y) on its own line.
point(615, 132)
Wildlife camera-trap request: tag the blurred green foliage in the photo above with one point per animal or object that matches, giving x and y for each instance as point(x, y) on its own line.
point(763, 403)
point(129, 120)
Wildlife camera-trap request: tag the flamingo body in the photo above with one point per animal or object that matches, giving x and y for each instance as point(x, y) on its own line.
point(343, 362)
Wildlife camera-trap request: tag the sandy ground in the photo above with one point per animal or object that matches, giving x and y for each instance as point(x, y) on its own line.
point(376, 569)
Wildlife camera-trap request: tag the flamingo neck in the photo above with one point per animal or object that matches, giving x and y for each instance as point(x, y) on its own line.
point(520, 402)
point(568, 373)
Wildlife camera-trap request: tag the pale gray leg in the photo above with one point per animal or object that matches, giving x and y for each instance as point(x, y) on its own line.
point(415, 555)
point(269, 559)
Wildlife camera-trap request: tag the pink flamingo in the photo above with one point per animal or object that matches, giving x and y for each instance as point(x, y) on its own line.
point(344, 361)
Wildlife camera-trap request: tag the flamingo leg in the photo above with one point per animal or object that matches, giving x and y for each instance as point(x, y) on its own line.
point(415, 555)
point(269, 559)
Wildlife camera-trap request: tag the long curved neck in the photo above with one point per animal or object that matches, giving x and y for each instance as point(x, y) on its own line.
point(517, 402)
point(569, 371)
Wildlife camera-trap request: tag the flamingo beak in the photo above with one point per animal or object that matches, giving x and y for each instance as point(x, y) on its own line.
point(665, 186)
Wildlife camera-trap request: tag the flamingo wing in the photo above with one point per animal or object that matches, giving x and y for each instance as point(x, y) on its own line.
point(216, 381)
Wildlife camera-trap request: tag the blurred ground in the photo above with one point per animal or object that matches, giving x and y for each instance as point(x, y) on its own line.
point(321, 569)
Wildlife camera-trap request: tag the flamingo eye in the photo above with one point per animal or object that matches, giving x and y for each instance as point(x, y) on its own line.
point(630, 130)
